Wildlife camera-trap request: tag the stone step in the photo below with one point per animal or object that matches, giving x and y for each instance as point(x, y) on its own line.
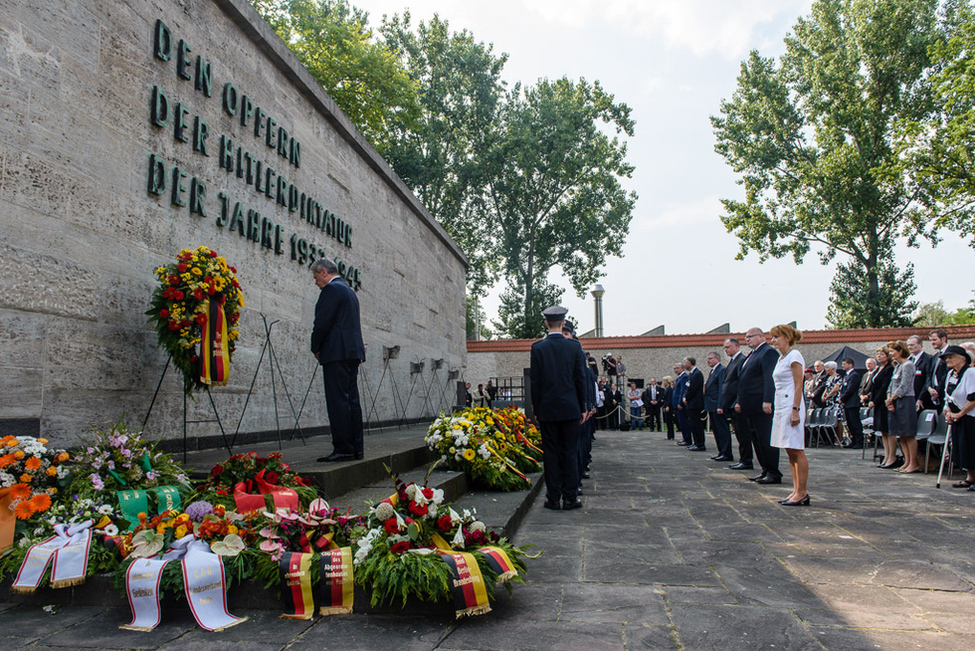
point(400, 450)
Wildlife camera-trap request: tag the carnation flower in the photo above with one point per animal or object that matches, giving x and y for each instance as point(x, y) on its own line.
point(477, 526)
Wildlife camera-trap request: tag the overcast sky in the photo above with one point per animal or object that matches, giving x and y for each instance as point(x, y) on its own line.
point(672, 63)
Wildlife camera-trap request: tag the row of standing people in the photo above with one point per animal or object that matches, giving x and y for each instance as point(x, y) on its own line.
point(757, 396)
point(900, 382)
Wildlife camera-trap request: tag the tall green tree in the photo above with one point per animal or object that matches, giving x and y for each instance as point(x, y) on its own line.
point(333, 41)
point(940, 147)
point(813, 140)
point(555, 195)
point(440, 155)
point(851, 306)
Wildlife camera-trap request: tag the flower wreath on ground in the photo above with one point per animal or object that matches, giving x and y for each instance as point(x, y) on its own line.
point(494, 447)
point(230, 535)
point(87, 486)
point(306, 531)
point(409, 549)
point(33, 478)
point(180, 305)
point(250, 475)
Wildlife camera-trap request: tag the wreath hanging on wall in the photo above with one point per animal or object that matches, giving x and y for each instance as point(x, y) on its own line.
point(195, 309)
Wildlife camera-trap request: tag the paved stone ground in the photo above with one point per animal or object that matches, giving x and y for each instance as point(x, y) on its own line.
point(671, 552)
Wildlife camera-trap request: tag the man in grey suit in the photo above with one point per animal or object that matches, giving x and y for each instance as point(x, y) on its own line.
point(712, 400)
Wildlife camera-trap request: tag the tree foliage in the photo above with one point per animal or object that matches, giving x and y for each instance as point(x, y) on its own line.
point(934, 314)
point(555, 196)
point(440, 154)
point(850, 304)
point(813, 140)
point(332, 40)
point(940, 146)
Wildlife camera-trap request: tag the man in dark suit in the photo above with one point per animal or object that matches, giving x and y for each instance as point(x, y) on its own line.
point(558, 395)
point(585, 429)
point(653, 400)
point(712, 400)
point(922, 370)
point(939, 368)
point(729, 396)
point(694, 404)
point(336, 341)
point(850, 399)
point(680, 387)
point(756, 397)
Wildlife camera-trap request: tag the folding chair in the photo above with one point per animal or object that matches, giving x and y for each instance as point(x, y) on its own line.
point(813, 419)
point(937, 437)
point(926, 422)
point(830, 424)
point(866, 420)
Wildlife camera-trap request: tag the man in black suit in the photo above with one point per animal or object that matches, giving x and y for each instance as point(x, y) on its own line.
point(756, 397)
point(729, 396)
point(939, 369)
point(712, 400)
point(694, 404)
point(922, 369)
point(336, 341)
point(558, 395)
point(653, 400)
point(850, 398)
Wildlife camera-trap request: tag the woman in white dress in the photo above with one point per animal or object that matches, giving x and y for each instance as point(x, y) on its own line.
point(788, 420)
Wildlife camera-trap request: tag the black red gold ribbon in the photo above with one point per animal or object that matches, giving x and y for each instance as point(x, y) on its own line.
point(498, 560)
point(215, 349)
point(296, 591)
point(337, 584)
point(467, 584)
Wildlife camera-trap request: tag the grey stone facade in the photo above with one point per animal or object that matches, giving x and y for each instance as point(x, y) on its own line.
point(82, 232)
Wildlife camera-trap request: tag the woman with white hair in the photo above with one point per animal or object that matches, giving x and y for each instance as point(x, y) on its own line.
point(960, 411)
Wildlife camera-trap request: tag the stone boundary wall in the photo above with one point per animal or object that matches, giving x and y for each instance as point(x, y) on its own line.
point(654, 356)
point(120, 144)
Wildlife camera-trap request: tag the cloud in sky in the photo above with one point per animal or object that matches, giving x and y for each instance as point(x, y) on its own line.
point(726, 28)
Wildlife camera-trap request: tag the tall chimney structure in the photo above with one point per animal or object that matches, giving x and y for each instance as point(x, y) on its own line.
point(597, 294)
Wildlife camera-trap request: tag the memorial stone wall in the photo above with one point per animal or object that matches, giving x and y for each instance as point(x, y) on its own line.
point(130, 129)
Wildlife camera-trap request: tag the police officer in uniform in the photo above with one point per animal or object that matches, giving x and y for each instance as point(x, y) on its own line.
point(558, 395)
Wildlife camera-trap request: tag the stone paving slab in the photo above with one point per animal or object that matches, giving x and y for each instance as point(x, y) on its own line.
point(671, 551)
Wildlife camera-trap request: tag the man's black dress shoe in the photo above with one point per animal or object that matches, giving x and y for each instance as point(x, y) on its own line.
point(335, 456)
point(722, 457)
point(552, 505)
point(762, 476)
point(697, 448)
point(682, 443)
point(568, 506)
point(585, 475)
point(765, 481)
point(741, 466)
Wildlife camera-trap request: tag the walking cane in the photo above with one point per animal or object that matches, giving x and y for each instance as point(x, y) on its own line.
point(944, 453)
